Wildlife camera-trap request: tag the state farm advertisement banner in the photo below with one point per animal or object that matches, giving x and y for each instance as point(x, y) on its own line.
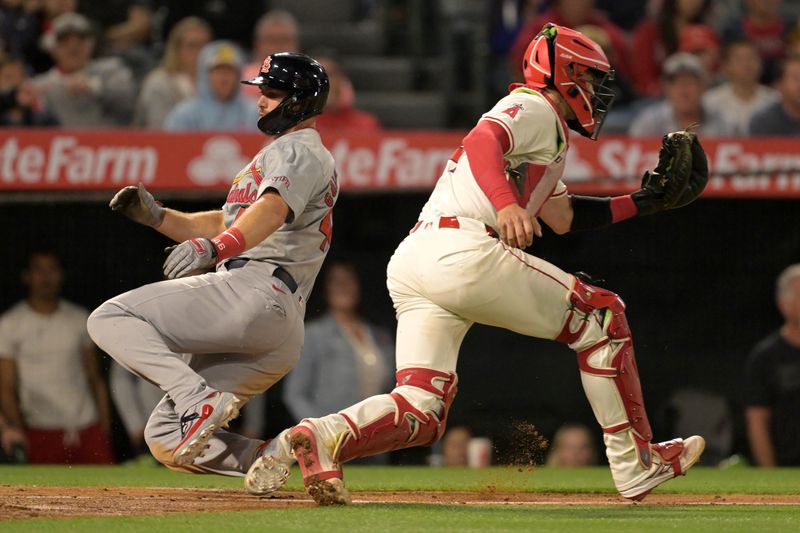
point(59, 160)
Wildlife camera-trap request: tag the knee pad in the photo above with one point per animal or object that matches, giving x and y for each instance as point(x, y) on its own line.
point(413, 414)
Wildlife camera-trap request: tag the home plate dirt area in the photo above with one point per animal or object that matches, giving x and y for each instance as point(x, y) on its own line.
point(31, 502)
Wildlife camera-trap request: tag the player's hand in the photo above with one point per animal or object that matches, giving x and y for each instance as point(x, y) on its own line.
point(136, 203)
point(11, 437)
point(189, 256)
point(517, 227)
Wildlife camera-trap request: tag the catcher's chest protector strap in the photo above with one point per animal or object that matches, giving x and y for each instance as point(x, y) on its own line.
point(620, 365)
point(402, 424)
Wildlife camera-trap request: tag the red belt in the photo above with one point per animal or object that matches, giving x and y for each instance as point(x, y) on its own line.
point(452, 222)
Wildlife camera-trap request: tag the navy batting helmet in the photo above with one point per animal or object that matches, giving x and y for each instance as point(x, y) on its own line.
point(306, 83)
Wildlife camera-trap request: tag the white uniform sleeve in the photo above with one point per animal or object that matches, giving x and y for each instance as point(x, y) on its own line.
point(529, 121)
point(293, 171)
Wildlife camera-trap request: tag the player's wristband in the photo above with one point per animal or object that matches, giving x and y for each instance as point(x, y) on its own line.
point(591, 212)
point(228, 244)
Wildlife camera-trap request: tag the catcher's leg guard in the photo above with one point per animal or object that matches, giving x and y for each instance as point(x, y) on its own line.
point(413, 414)
point(596, 328)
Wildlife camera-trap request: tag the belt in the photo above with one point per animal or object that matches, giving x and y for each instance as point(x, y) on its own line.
point(279, 272)
point(450, 222)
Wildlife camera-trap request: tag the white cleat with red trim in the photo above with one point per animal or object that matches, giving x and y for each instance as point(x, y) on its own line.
point(200, 421)
point(322, 476)
point(670, 459)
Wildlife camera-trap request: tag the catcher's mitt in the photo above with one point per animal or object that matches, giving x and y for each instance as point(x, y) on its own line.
point(678, 179)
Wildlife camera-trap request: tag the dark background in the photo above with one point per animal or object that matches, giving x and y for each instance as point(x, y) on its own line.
point(698, 283)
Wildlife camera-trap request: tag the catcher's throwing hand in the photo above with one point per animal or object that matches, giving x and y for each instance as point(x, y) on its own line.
point(678, 179)
point(136, 203)
point(517, 227)
point(189, 256)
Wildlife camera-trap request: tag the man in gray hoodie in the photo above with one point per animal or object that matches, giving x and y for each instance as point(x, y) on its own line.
point(83, 92)
point(219, 104)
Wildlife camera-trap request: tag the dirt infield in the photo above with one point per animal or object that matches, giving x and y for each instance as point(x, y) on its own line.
point(18, 502)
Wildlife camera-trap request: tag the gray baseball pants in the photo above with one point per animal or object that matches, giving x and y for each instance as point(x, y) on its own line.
point(237, 331)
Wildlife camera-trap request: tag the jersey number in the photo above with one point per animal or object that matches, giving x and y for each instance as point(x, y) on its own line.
point(326, 228)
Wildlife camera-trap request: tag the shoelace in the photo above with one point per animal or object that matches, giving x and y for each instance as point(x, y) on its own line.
point(185, 422)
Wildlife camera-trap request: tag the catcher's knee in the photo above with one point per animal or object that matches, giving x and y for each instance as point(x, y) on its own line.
point(422, 391)
point(594, 316)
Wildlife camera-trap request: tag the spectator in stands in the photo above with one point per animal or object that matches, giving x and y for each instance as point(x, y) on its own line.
point(19, 105)
point(763, 24)
point(176, 78)
point(772, 392)
point(455, 446)
point(782, 118)
point(126, 24)
point(275, 31)
point(685, 81)
point(52, 386)
point(572, 446)
point(702, 41)
point(18, 28)
point(79, 90)
point(571, 13)
point(345, 358)
point(740, 96)
point(340, 111)
point(46, 12)
point(219, 104)
point(126, 30)
point(658, 37)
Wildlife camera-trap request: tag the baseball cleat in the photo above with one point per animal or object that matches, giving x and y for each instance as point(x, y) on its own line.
point(671, 459)
point(270, 470)
point(200, 421)
point(322, 476)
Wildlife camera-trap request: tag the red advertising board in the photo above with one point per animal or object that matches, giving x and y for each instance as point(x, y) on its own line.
point(76, 160)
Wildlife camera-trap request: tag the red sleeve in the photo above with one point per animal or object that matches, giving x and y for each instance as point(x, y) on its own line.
point(485, 146)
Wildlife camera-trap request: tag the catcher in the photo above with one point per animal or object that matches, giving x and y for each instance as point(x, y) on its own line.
point(463, 263)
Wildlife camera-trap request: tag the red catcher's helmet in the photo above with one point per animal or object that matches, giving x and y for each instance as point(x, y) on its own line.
point(575, 66)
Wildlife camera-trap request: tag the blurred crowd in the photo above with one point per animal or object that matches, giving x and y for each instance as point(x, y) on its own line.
point(127, 64)
point(733, 66)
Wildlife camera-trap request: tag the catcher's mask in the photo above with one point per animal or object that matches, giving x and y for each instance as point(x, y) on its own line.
point(306, 83)
point(575, 66)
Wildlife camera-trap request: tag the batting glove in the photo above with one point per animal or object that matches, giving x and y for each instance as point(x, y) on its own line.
point(189, 256)
point(136, 203)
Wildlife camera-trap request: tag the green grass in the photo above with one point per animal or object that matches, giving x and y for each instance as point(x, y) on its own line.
point(390, 518)
point(587, 480)
point(404, 518)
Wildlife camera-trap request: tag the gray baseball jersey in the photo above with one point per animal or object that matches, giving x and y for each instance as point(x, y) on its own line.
point(301, 170)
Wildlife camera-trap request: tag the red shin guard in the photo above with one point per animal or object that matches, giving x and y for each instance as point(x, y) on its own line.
point(407, 426)
point(586, 299)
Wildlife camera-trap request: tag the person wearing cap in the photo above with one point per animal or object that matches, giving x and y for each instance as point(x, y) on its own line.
point(702, 41)
point(83, 92)
point(685, 80)
point(219, 103)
